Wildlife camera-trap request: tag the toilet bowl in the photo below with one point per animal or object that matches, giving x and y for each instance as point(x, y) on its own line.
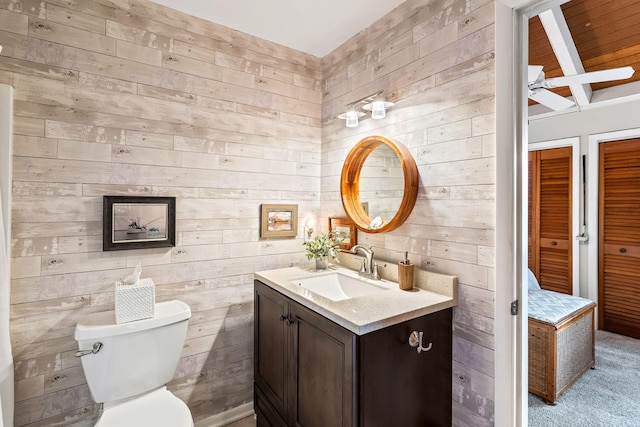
point(128, 365)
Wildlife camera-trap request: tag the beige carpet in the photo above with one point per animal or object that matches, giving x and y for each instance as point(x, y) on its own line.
point(607, 396)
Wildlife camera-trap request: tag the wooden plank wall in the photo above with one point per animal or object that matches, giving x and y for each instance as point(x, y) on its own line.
point(126, 97)
point(435, 59)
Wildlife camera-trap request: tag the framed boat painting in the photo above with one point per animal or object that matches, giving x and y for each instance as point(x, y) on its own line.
point(138, 222)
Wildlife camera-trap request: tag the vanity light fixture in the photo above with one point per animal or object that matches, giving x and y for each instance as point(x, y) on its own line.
point(375, 103)
point(351, 116)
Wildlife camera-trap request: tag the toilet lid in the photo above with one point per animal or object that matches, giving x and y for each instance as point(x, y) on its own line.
point(159, 408)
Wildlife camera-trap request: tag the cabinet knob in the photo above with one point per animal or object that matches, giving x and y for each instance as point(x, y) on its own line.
point(415, 340)
point(285, 319)
point(554, 243)
point(623, 250)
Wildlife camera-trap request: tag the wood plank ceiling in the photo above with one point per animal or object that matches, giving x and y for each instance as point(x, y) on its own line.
point(606, 34)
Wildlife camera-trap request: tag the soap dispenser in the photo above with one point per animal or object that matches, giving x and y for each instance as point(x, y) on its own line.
point(405, 273)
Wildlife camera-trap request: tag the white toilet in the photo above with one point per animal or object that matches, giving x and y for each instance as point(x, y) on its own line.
point(127, 366)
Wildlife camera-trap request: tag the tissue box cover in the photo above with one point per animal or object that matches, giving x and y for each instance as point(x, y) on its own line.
point(135, 302)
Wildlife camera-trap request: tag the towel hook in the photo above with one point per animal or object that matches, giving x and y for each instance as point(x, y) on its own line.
point(415, 340)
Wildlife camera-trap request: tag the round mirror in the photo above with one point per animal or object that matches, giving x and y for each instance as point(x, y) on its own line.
point(379, 184)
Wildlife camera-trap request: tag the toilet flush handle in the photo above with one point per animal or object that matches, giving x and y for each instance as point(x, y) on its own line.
point(96, 348)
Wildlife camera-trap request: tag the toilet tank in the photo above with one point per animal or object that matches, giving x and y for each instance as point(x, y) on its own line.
point(135, 357)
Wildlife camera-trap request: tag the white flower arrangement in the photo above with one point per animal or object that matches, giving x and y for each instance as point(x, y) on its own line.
point(323, 245)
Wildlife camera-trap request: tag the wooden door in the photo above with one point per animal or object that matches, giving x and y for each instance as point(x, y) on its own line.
point(323, 371)
point(550, 218)
point(619, 237)
point(534, 216)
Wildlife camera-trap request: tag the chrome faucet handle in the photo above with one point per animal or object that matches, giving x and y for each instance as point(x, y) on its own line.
point(363, 265)
point(375, 274)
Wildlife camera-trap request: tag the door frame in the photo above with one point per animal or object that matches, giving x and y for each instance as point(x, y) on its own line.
point(509, 390)
point(7, 393)
point(576, 197)
point(510, 331)
point(593, 180)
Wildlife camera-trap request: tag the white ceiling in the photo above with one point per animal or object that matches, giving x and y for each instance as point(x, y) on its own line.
point(312, 26)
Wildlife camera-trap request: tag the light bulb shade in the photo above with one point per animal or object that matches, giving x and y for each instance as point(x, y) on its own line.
point(352, 119)
point(378, 107)
point(351, 116)
point(378, 110)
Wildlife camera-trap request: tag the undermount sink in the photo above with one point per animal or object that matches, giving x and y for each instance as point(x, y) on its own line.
point(337, 286)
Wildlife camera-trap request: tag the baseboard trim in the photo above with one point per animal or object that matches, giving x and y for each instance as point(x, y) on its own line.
point(227, 417)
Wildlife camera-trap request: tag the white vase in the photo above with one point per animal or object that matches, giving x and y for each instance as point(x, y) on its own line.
point(322, 263)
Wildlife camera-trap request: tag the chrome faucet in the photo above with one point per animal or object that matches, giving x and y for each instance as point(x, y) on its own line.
point(367, 264)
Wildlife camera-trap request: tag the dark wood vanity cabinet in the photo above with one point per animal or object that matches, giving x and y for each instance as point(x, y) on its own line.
point(311, 372)
point(303, 367)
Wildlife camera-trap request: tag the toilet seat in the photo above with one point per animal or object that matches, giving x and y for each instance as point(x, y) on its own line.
point(160, 408)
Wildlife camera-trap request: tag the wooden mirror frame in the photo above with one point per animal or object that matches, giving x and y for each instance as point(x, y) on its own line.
point(350, 184)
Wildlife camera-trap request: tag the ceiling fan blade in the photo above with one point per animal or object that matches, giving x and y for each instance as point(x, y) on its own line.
point(592, 77)
point(533, 73)
point(550, 99)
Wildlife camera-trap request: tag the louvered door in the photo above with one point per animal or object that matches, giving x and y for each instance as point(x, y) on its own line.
point(550, 216)
point(534, 217)
point(619, 237)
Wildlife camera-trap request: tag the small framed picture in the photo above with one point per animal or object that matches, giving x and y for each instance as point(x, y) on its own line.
point(278, 221)
point(138, 222)
point(346, 230)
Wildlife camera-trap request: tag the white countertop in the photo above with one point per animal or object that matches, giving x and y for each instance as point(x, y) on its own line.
point(432, 292)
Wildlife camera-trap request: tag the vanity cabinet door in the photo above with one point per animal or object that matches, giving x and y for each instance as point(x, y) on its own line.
point(271, 311)
point(398, 385)
point(322, 371)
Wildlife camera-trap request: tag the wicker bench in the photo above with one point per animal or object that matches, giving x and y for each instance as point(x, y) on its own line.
point(561, 342)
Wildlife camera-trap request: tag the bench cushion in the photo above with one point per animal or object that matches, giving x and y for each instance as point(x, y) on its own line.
point(551, 307)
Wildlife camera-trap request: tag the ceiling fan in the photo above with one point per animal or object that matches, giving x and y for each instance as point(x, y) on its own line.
point(538, 85)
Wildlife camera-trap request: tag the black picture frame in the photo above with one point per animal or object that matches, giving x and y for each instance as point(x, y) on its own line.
point(138, 222)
